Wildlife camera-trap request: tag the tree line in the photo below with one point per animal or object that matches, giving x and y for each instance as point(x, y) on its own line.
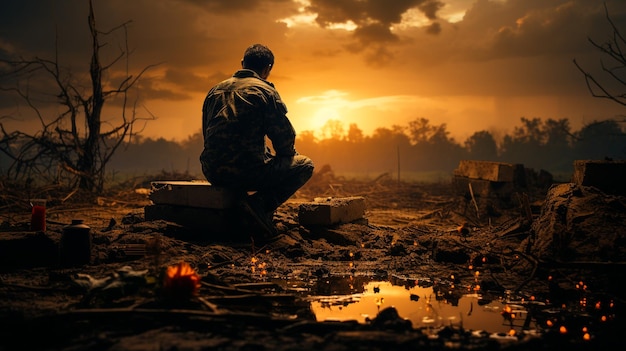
point(549, 145)
point(75, 148)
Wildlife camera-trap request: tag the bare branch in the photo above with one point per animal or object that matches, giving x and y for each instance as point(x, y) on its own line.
point(593, 86)
point(70, 144)
point(613, 48)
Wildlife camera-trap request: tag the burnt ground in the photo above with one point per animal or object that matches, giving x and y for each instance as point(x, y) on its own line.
point(558, 252)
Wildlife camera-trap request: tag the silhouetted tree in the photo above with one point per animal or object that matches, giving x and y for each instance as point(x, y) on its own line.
point(548, 145)
point(149, 155)
point(194, 143)
point(482, 146)
point(384, 146)
point(444, 152)
point(306, 142)
point(557, 146)
point(525, 145)
point(333, 129)
point(73, 145)
point(599, 140)
point(355, 135)
point(420, 130)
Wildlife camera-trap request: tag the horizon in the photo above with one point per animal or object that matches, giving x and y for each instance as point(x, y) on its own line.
point(498, 137)
point(469, 64)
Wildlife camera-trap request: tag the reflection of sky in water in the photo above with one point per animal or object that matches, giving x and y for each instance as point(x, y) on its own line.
point(418, 304)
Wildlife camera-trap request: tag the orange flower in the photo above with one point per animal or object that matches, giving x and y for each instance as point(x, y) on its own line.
point(181, 281)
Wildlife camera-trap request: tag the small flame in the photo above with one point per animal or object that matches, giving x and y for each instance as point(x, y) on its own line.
point(181, 281)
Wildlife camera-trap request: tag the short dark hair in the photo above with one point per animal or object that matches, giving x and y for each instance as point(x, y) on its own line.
point(257, 57)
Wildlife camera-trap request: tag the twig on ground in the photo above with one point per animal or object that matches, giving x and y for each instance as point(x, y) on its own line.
point(474, 200)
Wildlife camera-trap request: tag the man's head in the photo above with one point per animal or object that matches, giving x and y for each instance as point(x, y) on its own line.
point(258, 58)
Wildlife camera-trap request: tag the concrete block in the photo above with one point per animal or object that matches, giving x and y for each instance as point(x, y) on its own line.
point(608, 176)
point(486, 170)
point(192, 194)
point(328, 211)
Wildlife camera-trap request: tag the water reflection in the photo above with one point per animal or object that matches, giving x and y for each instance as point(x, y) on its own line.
point(423, 303)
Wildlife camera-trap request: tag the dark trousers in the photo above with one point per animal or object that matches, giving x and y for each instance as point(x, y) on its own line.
point(281, 178)
point(274, 183)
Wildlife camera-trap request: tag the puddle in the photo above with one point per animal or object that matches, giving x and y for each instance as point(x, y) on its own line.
point(438, 303)
point(423, 303)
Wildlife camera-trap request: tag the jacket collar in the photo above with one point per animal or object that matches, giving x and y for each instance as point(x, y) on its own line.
point(248, 73)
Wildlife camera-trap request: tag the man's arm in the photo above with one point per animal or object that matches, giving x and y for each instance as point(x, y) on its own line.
point(280, 130)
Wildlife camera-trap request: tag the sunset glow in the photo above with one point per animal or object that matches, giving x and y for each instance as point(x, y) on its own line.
point(472, 65)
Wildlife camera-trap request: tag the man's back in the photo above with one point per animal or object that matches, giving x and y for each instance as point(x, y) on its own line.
point(237, 115)
point(233, 117)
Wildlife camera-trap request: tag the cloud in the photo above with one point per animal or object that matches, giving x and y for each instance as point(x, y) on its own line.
point(230, 7)
point(363, 12)
point(373, 18)
point(482, 49)
point(372, 22)
point(184, 39)
point(566, 25)
point(434, 28)
point(519, 28)
point(430, 8)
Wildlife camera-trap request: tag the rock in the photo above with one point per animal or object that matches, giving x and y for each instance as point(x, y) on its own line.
point(579, 223)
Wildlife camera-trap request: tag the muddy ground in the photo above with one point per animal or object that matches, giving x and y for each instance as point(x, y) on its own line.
point(556, 250)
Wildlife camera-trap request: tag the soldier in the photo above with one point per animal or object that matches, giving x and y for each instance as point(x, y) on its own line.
point(238, 116)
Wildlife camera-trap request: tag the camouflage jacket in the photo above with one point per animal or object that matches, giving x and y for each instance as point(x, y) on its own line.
point(236, 116)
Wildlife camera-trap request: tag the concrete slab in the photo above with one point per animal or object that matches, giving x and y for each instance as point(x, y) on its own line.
point(486, 170)
point(329, 211)
point(608, 176)
point(198, 193)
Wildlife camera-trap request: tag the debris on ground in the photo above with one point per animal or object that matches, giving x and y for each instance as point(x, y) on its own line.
point(153, 284)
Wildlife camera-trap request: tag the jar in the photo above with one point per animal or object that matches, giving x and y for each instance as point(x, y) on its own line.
point(38, 215)
point(76, 244)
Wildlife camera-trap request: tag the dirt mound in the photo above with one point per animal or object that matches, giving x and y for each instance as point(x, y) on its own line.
point(580, 223)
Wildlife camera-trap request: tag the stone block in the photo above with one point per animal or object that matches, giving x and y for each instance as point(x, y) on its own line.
point(199, 194)
point(608, 176)
point(328, 211)
point(487, 170)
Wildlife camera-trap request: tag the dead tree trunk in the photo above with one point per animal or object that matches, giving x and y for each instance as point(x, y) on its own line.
point(88, 163)
point(71, 147)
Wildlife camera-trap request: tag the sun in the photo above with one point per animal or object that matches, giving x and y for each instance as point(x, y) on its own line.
point(322, 116)
point(320, 109)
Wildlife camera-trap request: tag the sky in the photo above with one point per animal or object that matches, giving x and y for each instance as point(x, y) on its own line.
point(472, 65)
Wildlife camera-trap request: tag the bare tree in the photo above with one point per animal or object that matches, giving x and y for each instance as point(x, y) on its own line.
point(71, 147)
point(616, 68)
